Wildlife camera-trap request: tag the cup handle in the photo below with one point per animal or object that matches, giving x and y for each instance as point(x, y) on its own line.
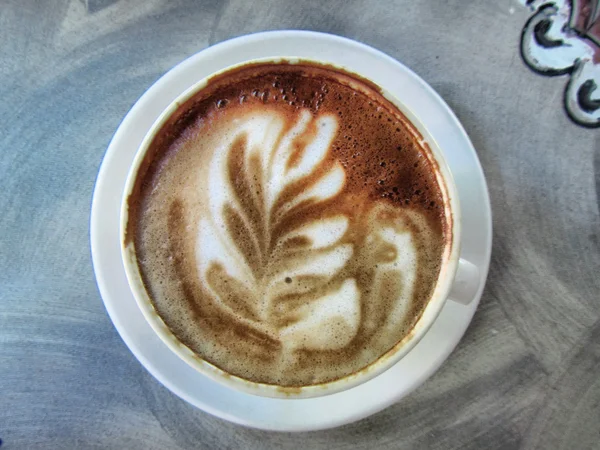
point(466, 283)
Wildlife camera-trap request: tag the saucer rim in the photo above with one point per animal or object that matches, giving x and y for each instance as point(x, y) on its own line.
point(96, 244)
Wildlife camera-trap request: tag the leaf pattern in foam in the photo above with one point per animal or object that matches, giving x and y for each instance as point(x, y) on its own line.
point(251, 174)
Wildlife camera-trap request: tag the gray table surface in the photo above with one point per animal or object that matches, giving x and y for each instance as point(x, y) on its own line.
point(526, 374)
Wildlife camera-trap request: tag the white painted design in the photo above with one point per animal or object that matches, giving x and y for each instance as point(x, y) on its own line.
point(564, 37)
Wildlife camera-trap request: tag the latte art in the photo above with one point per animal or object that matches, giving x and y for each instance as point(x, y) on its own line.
point(291, 279)
point(290, 228)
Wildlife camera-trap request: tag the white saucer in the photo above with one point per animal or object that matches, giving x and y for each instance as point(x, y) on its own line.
point(284, 414)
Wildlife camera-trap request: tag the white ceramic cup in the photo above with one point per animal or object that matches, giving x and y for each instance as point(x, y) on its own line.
point(456, 280)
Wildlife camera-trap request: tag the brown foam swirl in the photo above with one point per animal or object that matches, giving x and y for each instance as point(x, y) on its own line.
point(265, 253)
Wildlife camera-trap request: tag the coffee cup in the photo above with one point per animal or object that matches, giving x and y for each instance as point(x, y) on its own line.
point(455, 275)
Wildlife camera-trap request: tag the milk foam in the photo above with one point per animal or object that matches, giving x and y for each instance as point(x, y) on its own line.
point(290, 237)
point(330, 319)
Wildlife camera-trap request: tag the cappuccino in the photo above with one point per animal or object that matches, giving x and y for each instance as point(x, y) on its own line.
point(289, 223)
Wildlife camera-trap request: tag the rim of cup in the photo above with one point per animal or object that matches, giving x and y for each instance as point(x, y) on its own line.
point(384, 362)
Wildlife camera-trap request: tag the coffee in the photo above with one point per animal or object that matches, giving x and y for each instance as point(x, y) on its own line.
point(289, 223)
